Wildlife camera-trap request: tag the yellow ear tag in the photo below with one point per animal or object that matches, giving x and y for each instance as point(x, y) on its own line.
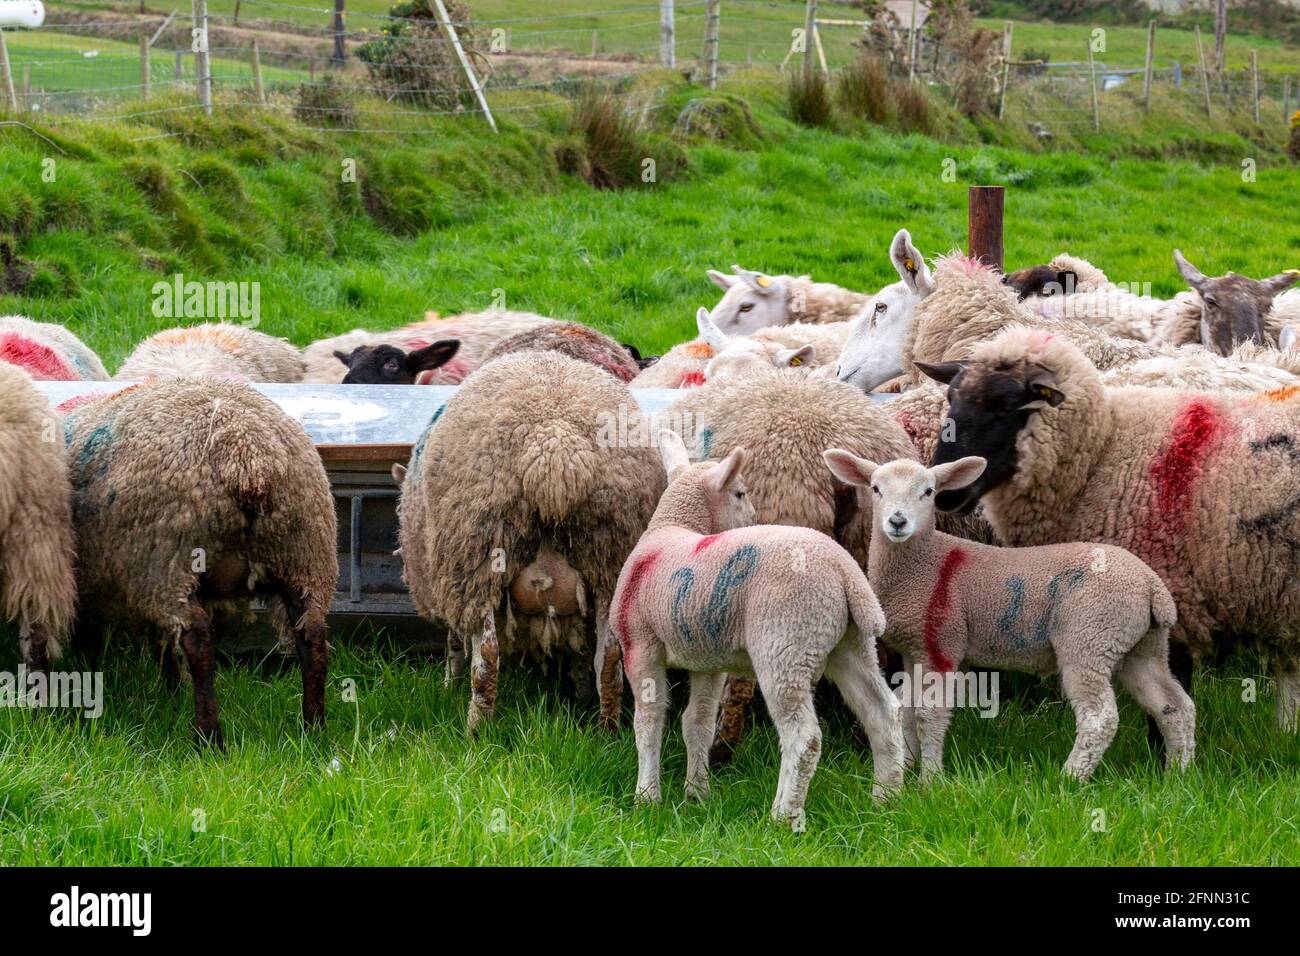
point(764, 281)
point(796, 361)
point(909, 265)
point(1292, 272)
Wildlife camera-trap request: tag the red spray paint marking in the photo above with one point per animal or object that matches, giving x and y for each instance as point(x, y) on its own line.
point(936, 613)
point(39, 361)
point(449, 373)
point(690, 378)
point(72, 404)
point(620, 372)
point(1176, 470)
point(707, 540)
point(909, 425)
point(627, 598)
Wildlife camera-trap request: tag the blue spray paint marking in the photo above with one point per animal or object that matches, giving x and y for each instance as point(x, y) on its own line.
point(1070, 580)
point(683, 578)
point(706, 443)
point(412, 466)
point(1058, 589)
point(1011, 615)
point(91, 464)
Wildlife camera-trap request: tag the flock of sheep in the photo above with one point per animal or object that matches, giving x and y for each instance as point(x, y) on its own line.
point(1054, 475)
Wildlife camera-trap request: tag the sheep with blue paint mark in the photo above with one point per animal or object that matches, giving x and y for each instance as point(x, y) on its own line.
point(708, 591)
point(1089, 612)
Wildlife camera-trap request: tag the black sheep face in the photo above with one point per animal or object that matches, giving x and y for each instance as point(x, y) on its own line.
point(389, 365)
point(1041, 281)
point(1232, 306)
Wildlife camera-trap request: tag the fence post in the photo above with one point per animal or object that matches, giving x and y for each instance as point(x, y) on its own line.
point(27, 88)
point(1286, 99)
point(1220, 34)
point(1254, 83)
point(984, 224)
point(146, 75)
point(667, 43)
point(809, 24)
point(1205, 75)
point(464, 63)
point(821, 53)
point(712, 26)
point(911, 46)
point(7, 77)
point(202, 65)
point(1006, 67)
point(1092, 86)
point(340, 47)
point(257, 74)
point(1151, 62)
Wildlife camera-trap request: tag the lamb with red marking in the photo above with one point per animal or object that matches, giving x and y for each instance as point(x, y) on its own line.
point(48, 352)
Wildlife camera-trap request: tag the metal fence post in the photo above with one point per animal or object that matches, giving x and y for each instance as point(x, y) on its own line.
point(202, 63)
point(7, 77)
point(1092, 86)
point(1006, 67)
point(146, 75)
point(1151, 60)
point(667, 43)
point(464, 63)
point(1254, 83)
point(257, 74)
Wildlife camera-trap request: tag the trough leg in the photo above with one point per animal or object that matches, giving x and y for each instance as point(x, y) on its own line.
point(196, 642)
point(308, 627)
point(483, 674)
point(36, 659)
point(731, 721)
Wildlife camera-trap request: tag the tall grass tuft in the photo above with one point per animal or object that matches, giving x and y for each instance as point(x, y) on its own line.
point(611, 141)
point(862, 89)
point(809, 98)
point(915, 112)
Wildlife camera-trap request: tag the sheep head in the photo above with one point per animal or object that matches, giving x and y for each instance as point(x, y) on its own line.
point(1233, 306)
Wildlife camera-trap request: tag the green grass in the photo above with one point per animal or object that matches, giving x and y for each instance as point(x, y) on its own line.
point(544, 786)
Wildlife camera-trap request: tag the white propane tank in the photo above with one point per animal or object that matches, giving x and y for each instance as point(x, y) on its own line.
point(21, 13)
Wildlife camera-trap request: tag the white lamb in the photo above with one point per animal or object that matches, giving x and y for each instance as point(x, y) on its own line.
point(708, 591)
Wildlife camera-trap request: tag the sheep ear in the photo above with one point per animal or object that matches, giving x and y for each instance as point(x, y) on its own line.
point(1068, 280)
point(1041, 389)
point(399, 473)
point(848, 467)
point(1289, 338)
point(793, 358)
point(714, 336)
point(721, 279)
point(432, 356)
point(760, 283)
point(725, 472)
point(1194, 276)
point(910, 264)
point(1282, 281)
point(941, 372)
point(673, 452)
point(345, 357)
point(958, 474)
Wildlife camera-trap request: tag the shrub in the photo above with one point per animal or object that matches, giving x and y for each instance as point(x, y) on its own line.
point(915, 112)
point(414, 61)
point(862, 89)
point(810, 98)
point(328, 103)
point(720, 119)
point(607, 148)
point(1293, 144)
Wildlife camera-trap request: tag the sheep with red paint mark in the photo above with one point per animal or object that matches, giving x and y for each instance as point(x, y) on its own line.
point(575, 340)
point(709, 591)
point(328, 360)
point(1203, 487)
point(1088, 612)
point(37, 585)
point(193, 497)
point(48, 352)
point(225, 350)
point(518, 507)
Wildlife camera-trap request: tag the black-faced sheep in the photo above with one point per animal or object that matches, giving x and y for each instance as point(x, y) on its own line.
point(37, 584)
point(217, 349)
point(1204, 487)
point(519, 505)
point(47, 352)
point(195, 495)
point(389, 365)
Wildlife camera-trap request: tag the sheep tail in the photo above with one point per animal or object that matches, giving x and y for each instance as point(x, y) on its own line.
point(863, 605)
point(1164, 612)
point(245, 468)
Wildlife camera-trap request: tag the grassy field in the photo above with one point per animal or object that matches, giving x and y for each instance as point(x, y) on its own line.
point(441, 222)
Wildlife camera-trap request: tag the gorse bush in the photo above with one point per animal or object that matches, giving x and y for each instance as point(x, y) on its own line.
point(413, 60)
point(809, 96)
point(325, 104)
point(862, 89)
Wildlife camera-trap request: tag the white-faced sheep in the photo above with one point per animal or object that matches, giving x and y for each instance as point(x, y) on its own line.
point(753, 301)
point(519, 505)
point(327, 360)
point(1204, 487)
point(37, 585)
point(48, 352)
point(193, 496)
point(1233, 309)
point(708, 591)
point(1088, 612)
point(218, 349)
point(780, 346)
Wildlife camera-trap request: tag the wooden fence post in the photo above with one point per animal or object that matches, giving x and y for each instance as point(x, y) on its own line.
point(1006, 67)
point(984, 224)
point(1092, 86)
point(27, 88)
point(712, 25)
point(911, 46)
point(1205, 75)
point(821, 53)
point(1151, 61)
point(1286, 99)
point(257, 74)
point(146, 74)
point(202, 64)
point(809, 24)
point(1254, 83)
point(464, 62)
point(667, 43)
point(340, 34)
point(7, 77)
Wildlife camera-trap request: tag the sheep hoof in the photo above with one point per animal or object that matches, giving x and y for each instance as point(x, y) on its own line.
point(210, 738)
point(646, 798)
point(720, 753)
point(697, 791)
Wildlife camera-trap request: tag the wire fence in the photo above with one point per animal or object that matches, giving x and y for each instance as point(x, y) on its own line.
point(372, 71)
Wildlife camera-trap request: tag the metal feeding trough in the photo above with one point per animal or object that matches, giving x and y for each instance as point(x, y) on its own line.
point(360, 431)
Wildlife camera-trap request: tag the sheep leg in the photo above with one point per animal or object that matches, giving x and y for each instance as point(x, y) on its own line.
point(789, 700)
point(609, 669)
point(313, 657)
point(483, 674)
point(455, 661)
point(911, 739)
point(698, 720)
point(1096, 716)
point(36, 659)
point(1286, 674)
point(648, 675)
point(1182, 666)
point(931, 725)
point(196, 642)
point(1145, 675)
point(852, 668)
point(731, 721)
